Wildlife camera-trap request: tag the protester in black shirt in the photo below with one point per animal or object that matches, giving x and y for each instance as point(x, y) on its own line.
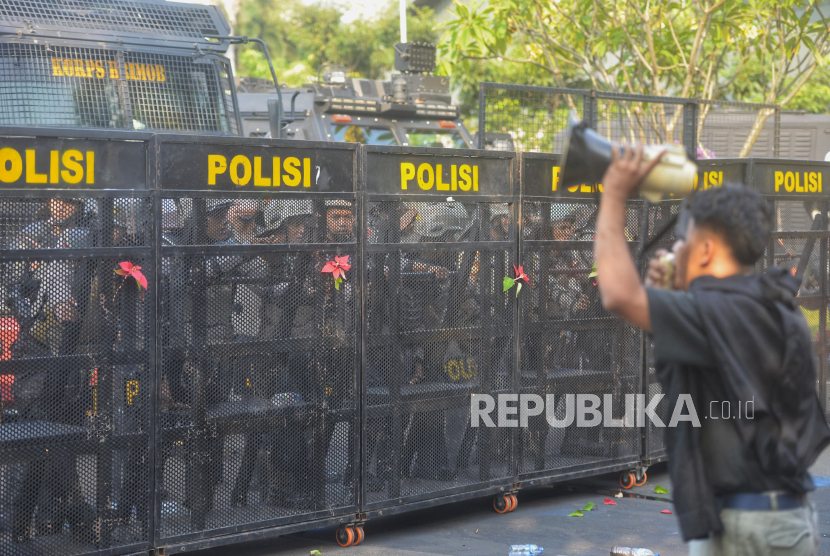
point(725, 338)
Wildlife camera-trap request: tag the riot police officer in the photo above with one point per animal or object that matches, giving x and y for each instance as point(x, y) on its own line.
point(284, 221)
point(127, 315)
point(49, 299)
point(424, 307)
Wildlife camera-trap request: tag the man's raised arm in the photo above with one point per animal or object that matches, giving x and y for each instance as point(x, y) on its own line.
point(617, 277)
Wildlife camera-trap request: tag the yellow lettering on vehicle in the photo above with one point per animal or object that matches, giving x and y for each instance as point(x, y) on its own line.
point(31, 174)
point(407, 174)
point(429, 176)
point(217, 164)
point(11, 165)
point(464, 177)
point(71, 166)
point(710, 180)
point(90, 167)
point(100, 69)
point(797, 182)
point(291, 171)
point(74, 172)
point(458, 369)
point(132, 391)
point(292, 168)
point(439, 183)
point(236, 162)
point(259, 181)
point(425, 170)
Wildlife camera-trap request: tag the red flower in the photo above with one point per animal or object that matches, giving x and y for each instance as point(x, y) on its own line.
point(338, 267)
point(520, 274)
point(128, 269)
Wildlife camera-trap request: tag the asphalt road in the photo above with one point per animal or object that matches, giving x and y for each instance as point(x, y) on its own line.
point(473, 527)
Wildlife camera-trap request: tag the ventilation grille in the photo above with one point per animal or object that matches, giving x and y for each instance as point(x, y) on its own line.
point(114, 15)
point(98, 88)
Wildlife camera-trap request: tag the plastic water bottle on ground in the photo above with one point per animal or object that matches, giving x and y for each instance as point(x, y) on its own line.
point(525, 550)
point(626, 551)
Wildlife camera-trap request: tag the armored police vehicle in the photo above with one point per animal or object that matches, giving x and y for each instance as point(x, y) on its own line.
point(116, 64)
point(414, 108)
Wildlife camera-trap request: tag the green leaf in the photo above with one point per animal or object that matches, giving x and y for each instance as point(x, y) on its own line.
point(518, 288)
point(315, 553)
point(337, 283)
point(589, 506)
point(508, 283)
point(660, 490)
point(576, 513)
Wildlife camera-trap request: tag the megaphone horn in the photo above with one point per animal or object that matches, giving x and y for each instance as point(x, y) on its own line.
point(586, 156)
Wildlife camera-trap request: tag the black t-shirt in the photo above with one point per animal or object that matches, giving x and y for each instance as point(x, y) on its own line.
point(680, 338)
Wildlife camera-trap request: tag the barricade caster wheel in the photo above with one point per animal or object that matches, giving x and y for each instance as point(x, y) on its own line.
point(501, 504)
point(642, 481)
point(627, 480)
point(345, 536)
point(360, 535)
point(514, 501)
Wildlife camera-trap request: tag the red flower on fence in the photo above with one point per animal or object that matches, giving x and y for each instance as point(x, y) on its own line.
point(130, 270)
point(517, 281)
point(337, 268)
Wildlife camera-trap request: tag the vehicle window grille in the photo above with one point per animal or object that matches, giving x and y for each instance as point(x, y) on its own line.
point(114, 15)
point(97, 88)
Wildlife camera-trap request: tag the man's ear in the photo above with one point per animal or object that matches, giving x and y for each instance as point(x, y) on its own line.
point(706, 252)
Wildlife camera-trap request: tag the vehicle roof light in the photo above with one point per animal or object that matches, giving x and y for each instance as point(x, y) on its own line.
point(343, 118)
point(447, 124)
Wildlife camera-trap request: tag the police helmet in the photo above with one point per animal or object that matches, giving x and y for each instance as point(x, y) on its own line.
point(278, 211)
point(217, 204)
point(125, 214)
point(451, 217)
point(499, 209)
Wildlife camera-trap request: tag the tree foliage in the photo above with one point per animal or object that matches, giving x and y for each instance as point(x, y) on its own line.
point(695, 48)
point(301, 37)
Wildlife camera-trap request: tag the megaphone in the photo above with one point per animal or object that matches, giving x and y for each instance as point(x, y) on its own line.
point(587, 155)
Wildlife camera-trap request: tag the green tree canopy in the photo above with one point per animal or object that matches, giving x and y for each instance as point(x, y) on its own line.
point(302, 37)
point(767, 49)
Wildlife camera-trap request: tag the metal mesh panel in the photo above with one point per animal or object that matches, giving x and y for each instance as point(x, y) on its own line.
point(655, 447)
point(800, 251)
point(723, 129)
point(97, 88)
point(76, 375)
point(439, 328)
point(569, 344)
point(258, 402)
point(534, 117)
point(635, 121)
point(114, 15)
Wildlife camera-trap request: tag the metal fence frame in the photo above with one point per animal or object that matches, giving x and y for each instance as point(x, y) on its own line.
point(388, 190)
point(759, 173)
point(690, 119)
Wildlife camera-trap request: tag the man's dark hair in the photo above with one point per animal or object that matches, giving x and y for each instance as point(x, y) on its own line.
point(740, 215)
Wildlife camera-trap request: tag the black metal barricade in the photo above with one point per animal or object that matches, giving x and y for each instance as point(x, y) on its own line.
point(77, 362)
point(257, 423)
point(316, 323)
point(441, 238)
point(572, 353)
point(796, 192)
